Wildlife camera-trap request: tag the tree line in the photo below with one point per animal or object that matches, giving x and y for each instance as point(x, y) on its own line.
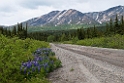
point(115, 27)
point(18, 30)
point(112, 27)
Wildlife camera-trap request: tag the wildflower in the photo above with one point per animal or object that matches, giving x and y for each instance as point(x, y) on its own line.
point(33, 69)
point(24, 64)
point(29, 73)
point(36, 63)
point(51, 62)
point(38, 51)
point(29, 65)
point(39, 68)
point(25, 69)
point(45, 65)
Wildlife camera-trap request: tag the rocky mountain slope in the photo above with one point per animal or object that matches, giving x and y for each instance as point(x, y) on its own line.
point(105, 16)
point(71, 16)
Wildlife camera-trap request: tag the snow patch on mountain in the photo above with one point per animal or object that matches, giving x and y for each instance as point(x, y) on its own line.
point(122, 8)
point(99, 21)
point(69, 21)
point(54, 17)
point(61, 15)
point(78, 22)
point(90, 22)
point(97, 17)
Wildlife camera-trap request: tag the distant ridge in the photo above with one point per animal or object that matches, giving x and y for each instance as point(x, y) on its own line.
point(72, 16)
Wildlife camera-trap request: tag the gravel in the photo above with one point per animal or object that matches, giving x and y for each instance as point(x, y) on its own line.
point(82, 64)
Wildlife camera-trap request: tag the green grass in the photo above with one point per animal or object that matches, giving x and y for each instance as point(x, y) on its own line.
point(116, 42)
point(13, 52)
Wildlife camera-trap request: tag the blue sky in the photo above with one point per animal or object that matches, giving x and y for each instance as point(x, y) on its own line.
point(14, 11)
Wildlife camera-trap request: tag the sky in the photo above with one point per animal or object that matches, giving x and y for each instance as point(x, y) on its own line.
point(16, 11)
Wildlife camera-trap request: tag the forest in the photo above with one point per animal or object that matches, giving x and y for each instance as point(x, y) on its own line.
point(112, 27)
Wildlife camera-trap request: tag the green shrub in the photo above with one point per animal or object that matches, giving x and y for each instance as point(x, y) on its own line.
point(116, 41)
point(14, 52)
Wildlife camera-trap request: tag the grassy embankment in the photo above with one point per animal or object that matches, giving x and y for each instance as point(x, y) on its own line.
point(25, 61)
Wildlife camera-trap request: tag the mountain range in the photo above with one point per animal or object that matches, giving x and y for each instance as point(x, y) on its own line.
point(71, 16)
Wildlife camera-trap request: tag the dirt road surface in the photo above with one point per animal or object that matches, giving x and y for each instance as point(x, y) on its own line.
point(81, 64)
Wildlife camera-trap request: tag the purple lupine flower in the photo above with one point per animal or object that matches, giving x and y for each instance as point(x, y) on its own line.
point(21, 68)
point(35, 58)
point(46, 53)
point(33, 69)
point(39, 68)
point(28, 73)
point(45, 65)
point(36, 55)
point(40, 58)
point(24, 64)
point(46, 57)
point(35, 63)
point(25, 69)
point(52, 62)
point(38, 51)
point(29, 65)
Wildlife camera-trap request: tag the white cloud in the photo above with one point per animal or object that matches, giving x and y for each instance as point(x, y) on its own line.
point(23, 15)
point(13, 11)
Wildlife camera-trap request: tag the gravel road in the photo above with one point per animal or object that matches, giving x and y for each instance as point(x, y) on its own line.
point(81, 64)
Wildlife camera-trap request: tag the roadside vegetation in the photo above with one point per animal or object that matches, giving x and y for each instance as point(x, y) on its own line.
point(116, 42)
point(25, 61)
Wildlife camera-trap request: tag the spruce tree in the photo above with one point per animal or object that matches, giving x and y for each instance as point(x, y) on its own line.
point(1, 30)
point(89, 33)
point(26, 31)
point(111, 28)
point(95, 32)
point(63, 37)
point(107, 31)
point(122, 26)
point(116, 27)
point(14, 30)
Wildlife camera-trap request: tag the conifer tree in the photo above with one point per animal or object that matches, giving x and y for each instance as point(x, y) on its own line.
point(14, 30)
point(88, 33)
point(107, 31)
point(1, 30)
point(25, 31)
point(122, 26)
point(79, 34)
point(9, 33)
point(95, 32)
point(63, 37)
point(5, 31)
point(111, 25)
point(116, 27)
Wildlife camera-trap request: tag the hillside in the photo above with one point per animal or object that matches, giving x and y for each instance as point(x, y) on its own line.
point(71, 16)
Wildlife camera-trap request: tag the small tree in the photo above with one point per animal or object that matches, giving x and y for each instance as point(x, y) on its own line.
point(63, 37)
point(50, 38)
point(116, 27)
point(111, 25)
point(122, 26)
point(95, 32)
point(14, 30)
